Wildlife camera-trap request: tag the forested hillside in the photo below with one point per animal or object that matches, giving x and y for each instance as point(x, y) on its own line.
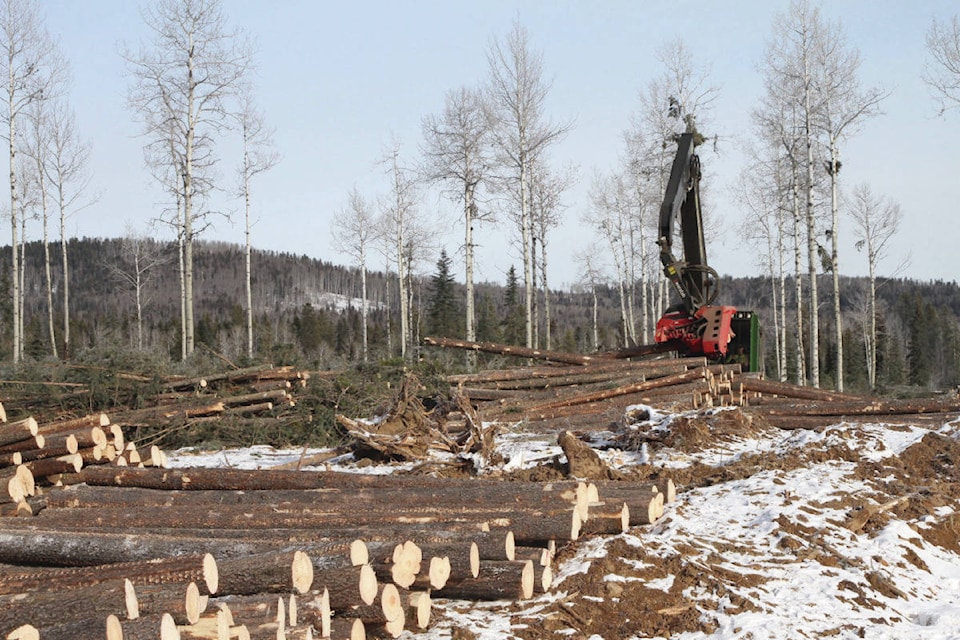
point(308, 311)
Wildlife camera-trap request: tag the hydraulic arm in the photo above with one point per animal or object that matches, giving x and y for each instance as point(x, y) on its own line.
point(695, 325)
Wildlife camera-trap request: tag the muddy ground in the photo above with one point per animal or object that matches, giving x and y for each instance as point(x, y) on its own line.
point(642, 587)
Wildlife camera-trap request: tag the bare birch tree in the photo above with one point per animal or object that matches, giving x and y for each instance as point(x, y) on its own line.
point(36, 148)
point(517, 98)
point(258, 156)
point(183, 85)
point(611, 217)
point(591, 276)
point(942, 71)
point(25, 62)
point(136, 265)
point(546, 209)
point(876, 220)
point(761, 191)
point(69, 180)
point(400, 235)
point(355, 231)
point(844, 107)
point(791, 70)
point(456, 151)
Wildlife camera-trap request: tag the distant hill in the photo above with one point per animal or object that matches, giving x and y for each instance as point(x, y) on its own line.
point(309, 309)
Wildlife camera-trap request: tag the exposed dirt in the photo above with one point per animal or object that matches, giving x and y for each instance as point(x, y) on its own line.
point(633, 592)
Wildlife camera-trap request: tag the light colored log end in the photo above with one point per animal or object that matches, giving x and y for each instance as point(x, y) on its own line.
point(510, 546)
point(359, 554)
point(527, 580)
point(302, 572)
point(168, 628)
point(367, 584)
point(25, 632)
point(420, 605)
point(474, 560)
point(130, 600)
point(439, 571)
point(114, 630)
point(191, 603)
point(211, 575)
point(390, 602)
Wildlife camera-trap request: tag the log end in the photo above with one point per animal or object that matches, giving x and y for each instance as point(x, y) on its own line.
point(367, 584)
point(211, 575)
point(527, 580)
point(359, 554)
point(302, 571)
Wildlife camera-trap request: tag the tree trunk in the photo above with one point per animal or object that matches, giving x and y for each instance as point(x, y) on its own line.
point(812, 246)
point(48, 277)
point(471, 333)
point(66, 278)
point(248, 286)
point(835, 261)
point(17, 315)
point(801, 373)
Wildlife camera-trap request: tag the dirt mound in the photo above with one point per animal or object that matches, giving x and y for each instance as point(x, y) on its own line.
point(645, 599)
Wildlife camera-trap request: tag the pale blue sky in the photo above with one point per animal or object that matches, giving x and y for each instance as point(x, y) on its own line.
point(338, 79)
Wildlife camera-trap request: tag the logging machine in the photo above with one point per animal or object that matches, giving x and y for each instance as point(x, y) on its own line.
point(696, 326)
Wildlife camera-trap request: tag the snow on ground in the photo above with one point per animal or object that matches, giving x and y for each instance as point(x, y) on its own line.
point(781, 562)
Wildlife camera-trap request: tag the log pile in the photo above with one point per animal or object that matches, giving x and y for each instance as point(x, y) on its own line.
point(140, 552)
point(35, 457)
point(594, 391)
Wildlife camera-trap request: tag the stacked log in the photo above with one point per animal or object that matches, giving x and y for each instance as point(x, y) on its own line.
point(594, 391)
point(34, 456)
point(209, 553)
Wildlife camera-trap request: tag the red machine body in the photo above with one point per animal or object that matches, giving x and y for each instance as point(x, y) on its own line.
point(707, 332)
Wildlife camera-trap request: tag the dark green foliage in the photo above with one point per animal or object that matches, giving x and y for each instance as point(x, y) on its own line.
point(513, 320)
point(444, 311)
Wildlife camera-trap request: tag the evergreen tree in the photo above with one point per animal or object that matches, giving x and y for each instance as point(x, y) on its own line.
point(488, 324)
point(444, 316)
point(513, 323)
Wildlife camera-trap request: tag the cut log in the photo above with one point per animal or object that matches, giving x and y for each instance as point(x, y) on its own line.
point(271, 572)
point(419, 605)
point(18, 431)
point(82, 423)
point(497, 581)
point(788, 390)
point(182, 571)
point(349, 586)
point(185, 604)
point(149, 627)
point(66, 548)
point(665, 381)
point(510, 350)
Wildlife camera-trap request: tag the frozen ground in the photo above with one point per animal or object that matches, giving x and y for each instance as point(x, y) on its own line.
point(758, 545)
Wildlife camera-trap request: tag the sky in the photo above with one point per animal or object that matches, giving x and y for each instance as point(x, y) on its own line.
point(340, 80)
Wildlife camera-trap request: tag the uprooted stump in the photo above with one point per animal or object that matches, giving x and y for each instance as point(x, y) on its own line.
point(410, 432)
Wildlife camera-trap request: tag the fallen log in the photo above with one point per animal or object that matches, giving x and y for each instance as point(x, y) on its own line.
point(184, 604)
point(496, 581)
point(492, 377)
point(182, 570)
point(18, 430)
point(665, 381)
point(60, 547)
point(270, 572)
point(788, 390)
point(510, 350)
point(864, 407)
point(150, 627)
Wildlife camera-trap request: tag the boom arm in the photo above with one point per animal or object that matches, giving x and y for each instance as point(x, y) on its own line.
point(691, 277)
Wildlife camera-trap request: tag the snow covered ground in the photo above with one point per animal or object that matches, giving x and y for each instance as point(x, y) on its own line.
point(764, 540)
